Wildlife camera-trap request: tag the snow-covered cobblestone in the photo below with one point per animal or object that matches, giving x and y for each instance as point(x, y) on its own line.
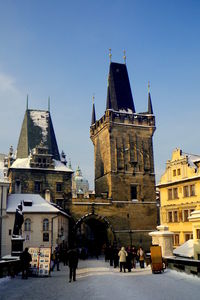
point(97, 280)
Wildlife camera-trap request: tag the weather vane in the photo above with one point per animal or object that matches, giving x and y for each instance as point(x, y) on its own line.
point(49, 103)
point(148, 87)
point(110, 54)
point(124, 57)
point(27, 102)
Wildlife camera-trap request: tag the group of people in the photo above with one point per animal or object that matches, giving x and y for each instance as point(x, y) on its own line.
point(125, 258)
point(70, 258)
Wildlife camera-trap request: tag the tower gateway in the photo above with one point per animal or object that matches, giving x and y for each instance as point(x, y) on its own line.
point(123, 209)
point(123, 148)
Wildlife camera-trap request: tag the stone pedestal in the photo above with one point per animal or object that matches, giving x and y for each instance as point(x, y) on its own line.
point(163, 237)
point(17, 245)
point(195, 219)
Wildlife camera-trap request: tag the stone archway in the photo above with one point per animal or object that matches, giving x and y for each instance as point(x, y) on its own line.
point(94, 232)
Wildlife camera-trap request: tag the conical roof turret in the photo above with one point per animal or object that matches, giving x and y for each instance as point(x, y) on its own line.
point(150, 107)
point(119, 95)
point(93, 114)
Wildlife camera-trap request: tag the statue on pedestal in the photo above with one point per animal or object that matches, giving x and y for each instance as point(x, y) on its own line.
point(19, 220)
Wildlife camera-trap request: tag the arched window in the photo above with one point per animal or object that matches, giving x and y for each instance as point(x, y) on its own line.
point(27, 224)
point(45, 225)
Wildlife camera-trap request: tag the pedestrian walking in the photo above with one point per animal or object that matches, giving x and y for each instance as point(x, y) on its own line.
point(111, 255)
point(64, 255)
point(72, 263)
point(122, 259)
point(134, 256)
point(25, 259)
point(141, 257)
point(116, 257)
point(56, 258)
point(129, 258)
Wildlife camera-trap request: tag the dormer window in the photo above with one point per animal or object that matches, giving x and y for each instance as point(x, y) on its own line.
point(27, 202)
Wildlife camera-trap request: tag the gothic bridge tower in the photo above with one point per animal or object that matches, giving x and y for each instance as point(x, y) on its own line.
point(123, 147)
point(124, 210)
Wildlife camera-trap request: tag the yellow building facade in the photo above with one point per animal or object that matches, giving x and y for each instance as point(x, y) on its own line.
point(179, 189)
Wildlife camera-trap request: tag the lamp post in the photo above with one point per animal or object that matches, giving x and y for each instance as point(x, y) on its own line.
point(52, 219)
point(129, 230)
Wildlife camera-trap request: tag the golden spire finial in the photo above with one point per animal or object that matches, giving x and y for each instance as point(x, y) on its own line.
point(110, 54)
point(124, 57)
point(148, 87)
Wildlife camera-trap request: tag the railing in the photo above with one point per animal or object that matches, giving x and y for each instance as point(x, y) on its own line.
point(189, 266)
point(9, 267)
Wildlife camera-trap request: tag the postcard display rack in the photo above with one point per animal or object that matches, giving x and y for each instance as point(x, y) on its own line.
point(41, 261)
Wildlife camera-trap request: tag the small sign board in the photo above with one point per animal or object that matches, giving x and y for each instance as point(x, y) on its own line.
point(41, 260)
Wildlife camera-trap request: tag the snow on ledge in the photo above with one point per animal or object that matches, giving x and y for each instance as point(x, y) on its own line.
point(185, 250)
point(24, 163)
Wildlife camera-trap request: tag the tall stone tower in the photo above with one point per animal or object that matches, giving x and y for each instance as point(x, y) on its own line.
point(123, 147)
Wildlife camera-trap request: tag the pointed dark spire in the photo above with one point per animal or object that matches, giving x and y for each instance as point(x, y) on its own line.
point(108, 103)
point(119, 95)
point(93, 112)
point(150, 108)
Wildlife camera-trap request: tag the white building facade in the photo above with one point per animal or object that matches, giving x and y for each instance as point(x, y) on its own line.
point(44, 225)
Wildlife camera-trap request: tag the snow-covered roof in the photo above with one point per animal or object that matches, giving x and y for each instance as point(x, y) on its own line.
point(40, 119)
point(39, 204)
point(195, 215)
point(192, 159)
point(126, 111)
point(185, 250)
point(24, 163)
point(59, 166)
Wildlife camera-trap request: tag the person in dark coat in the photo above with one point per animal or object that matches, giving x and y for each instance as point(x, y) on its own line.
point(25, 259)
point(111, 255)
point(129, 259)
point(72, 263)
point(116, 257)
point(134, 254)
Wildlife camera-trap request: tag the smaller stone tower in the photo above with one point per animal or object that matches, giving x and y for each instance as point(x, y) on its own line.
point(38, 167)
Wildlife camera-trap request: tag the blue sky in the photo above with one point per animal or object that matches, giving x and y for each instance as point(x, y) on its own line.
point(60, 49)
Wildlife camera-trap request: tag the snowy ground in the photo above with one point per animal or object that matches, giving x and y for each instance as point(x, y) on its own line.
point(97, 280)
